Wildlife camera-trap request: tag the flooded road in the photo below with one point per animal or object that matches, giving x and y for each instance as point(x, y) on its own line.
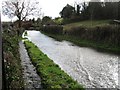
point(90, 68)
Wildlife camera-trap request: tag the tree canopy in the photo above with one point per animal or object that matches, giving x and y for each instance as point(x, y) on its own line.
point(20, 9)
point(67, 11)
point(92, 10)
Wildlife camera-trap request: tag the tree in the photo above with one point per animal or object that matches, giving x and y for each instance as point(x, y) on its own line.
point(85, 14)
point(38, 21)
point(58, 20)
point(67, 11)
point(46, 19)
point(119, 10)
point(78, 9)
point(33, 20)
point(95, 9)
point(111, 10)
point(20, 9)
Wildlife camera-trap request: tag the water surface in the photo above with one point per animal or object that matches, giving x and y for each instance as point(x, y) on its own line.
point(89, 67)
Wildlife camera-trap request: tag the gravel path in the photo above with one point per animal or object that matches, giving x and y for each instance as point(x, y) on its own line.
point(31, 78)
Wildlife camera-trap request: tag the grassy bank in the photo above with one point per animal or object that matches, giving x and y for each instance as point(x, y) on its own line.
point(13, 68)
point(87, 24)
point(51, 75)
point(104, 47)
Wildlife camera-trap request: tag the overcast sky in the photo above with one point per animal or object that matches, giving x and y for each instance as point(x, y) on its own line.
point(51, 7)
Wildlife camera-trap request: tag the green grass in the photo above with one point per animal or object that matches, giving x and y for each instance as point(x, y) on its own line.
point(87, 24)
point(51, 75)
point(104, 47)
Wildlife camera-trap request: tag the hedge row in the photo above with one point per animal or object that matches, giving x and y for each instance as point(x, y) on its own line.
point(53, 29)
point(105, 34)
point(13, 68)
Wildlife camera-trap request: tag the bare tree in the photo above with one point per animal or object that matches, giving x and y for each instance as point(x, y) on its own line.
point(20, 9)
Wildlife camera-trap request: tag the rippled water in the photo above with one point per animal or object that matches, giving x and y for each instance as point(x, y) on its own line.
point(87, 66)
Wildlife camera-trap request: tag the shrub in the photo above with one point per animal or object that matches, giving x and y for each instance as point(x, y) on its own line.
point(105, 34)
point(13, 68)
point(53, 29)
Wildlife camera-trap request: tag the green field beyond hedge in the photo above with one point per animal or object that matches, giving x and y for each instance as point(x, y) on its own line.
point(51, 75)
point(87, 24)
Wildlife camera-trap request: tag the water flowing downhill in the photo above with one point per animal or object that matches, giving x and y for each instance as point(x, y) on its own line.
point(90, 68)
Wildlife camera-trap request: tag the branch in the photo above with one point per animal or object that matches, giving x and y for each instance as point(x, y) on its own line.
point(22, 7)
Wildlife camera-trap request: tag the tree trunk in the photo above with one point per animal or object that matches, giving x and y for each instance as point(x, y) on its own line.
point(19, 27)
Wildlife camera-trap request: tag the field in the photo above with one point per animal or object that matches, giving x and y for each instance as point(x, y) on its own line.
point(87, 24)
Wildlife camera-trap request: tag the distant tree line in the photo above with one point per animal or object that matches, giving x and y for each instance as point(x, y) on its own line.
point(91, 10)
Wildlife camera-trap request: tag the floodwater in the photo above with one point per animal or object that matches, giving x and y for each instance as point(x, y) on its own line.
point(89, 67)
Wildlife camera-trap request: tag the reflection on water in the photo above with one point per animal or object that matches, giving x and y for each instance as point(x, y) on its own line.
point(87, 66)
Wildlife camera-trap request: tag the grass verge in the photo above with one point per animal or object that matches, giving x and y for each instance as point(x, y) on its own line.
point(51, 75)
point(104, 47)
